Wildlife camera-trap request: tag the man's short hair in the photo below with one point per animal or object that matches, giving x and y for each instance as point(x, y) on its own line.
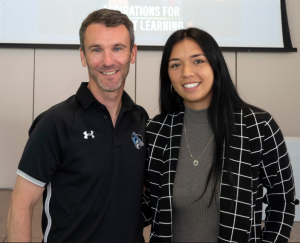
point(109, 18)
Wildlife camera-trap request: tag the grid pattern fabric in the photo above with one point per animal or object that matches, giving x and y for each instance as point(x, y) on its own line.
point(258, 158)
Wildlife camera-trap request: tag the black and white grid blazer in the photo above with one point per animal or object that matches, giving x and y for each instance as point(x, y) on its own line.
point(259, 159)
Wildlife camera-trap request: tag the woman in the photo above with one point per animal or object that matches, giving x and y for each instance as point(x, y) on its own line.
point(211, 154)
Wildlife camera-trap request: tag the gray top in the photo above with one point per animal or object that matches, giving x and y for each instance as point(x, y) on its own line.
point(192, 220)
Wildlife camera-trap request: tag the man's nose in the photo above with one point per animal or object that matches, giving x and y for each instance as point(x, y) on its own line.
point(187, 71)
point(107, 59)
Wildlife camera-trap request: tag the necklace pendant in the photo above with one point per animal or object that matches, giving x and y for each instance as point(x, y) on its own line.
point(195, 162)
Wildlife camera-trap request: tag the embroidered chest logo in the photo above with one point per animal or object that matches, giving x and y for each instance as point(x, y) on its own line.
point(86, 135)
point(137, 140)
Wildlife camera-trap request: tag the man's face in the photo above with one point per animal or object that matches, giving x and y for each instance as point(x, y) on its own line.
point(107, 55)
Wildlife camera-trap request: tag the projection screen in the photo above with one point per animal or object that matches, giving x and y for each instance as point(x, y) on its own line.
point(233, 23)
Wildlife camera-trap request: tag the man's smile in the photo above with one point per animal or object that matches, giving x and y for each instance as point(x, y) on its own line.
point(110, 73)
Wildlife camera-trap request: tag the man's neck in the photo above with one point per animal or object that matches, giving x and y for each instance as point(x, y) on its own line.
point(112, 100)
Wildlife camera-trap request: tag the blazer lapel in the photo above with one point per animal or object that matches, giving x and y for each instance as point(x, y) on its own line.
point(170, 158)
point(235, 215)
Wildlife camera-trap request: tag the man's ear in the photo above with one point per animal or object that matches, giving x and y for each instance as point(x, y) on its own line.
point(82, 57)
point(133, 54)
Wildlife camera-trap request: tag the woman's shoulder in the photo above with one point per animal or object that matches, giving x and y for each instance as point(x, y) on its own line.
point(156, 127)
point(156, 122)
point(257, 120)
point(252, 114)
point(166, 120)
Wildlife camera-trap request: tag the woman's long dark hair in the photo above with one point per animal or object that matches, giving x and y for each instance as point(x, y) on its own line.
point(224, 98)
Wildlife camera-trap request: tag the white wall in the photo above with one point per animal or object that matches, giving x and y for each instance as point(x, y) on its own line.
point(271, 80)
point(16, 109)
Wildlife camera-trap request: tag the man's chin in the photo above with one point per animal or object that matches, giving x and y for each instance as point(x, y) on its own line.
point(108, 88)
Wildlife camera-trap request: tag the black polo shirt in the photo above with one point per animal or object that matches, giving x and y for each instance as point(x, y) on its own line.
point(93, 173)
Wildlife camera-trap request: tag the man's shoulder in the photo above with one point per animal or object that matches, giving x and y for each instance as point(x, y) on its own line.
point(141, 110)
point(57, 115)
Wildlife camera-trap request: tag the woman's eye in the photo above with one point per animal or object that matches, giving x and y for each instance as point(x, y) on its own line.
point(175, 65)
point(198, 61)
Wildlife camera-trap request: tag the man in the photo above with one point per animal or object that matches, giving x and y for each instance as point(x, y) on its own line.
point(86, 154)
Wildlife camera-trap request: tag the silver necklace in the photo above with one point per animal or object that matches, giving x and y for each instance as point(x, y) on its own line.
point(196, 161)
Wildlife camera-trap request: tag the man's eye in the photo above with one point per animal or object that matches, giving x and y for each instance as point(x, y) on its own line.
point(96, 50)
point(117, 49)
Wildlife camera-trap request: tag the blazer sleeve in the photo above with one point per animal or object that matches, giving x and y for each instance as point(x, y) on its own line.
point(147, 214)
point(277, 178)
point(146, 205)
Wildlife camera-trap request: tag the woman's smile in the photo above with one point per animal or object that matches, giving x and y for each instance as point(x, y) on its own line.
point(191, 86)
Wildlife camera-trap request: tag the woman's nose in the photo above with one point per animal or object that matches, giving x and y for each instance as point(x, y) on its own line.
point(187, 71)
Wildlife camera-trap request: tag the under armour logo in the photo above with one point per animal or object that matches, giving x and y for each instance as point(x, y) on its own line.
point(86, 135)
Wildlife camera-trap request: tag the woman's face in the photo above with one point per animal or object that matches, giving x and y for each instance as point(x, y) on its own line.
point(191, 75)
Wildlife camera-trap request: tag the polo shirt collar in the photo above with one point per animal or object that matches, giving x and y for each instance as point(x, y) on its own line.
point(86, 98)
point(127, 102)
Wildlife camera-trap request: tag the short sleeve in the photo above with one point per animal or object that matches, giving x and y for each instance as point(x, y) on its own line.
point(43, 151)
